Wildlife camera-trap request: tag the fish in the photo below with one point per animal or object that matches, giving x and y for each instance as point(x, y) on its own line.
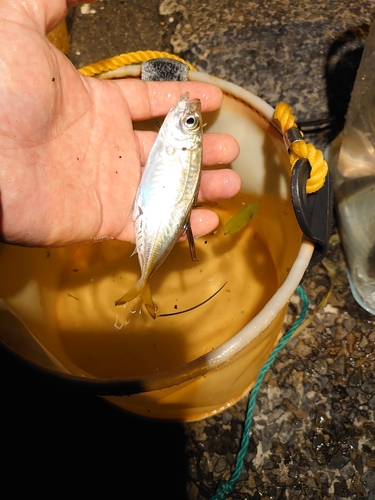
point(167, 193)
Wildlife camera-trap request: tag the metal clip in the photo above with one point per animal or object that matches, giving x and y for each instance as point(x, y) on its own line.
point(292, 135)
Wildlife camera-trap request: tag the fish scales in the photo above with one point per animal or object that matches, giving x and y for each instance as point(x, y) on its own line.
point(167, 193)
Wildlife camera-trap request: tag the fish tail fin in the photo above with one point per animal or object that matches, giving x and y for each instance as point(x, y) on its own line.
point(130, 294)
point(147, 300)
point(143, 289)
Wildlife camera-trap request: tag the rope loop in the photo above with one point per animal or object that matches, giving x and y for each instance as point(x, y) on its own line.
point(300, 149)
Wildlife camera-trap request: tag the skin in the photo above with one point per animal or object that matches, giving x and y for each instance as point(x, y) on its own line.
point(70, 161)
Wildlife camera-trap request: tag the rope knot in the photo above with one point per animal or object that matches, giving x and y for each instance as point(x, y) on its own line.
point(223, 489)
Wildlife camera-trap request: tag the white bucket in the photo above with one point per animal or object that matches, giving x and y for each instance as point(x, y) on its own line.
point(57, 305)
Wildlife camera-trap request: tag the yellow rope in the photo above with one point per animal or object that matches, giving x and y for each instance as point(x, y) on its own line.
point(301, 149)
point(126, 59)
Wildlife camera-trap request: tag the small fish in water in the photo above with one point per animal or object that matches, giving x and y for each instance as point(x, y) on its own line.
point(166, 194)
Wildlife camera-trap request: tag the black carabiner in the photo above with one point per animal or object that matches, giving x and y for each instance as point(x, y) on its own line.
point(313, 211)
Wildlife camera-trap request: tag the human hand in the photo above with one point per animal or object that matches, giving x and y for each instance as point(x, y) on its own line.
point(70, 161)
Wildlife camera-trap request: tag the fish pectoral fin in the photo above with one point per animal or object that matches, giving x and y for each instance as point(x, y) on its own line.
point(142, 289)
point(190, 237)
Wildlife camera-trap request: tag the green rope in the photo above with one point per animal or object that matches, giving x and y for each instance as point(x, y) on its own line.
point(225, 487)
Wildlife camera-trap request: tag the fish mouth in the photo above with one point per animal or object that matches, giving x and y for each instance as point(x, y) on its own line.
point(193, 107)
point(184, 97)
point(189, 102)
point(195, 104)
point(190, 108)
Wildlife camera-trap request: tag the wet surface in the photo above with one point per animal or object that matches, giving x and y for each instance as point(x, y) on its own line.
point(313, 433)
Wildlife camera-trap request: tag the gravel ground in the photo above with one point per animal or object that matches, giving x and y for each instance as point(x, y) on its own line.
point(313, 433)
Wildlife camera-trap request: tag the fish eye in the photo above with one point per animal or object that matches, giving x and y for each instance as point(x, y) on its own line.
point(191, 122)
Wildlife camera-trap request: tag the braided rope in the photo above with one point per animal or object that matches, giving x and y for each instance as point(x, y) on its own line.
point(126, 59)
point(301, 149)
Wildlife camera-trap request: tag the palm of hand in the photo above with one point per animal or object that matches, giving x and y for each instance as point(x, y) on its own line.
point(61, 173)
point(70, 161)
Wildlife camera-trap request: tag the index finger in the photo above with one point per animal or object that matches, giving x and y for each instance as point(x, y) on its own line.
point(152, 99)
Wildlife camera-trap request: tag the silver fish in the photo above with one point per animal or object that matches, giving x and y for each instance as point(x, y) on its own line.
point(167, 193)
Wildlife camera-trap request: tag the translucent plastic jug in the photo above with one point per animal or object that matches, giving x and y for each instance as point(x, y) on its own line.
point(352, 165)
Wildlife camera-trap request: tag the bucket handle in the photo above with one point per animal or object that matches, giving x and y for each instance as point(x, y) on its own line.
point(313, 211)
